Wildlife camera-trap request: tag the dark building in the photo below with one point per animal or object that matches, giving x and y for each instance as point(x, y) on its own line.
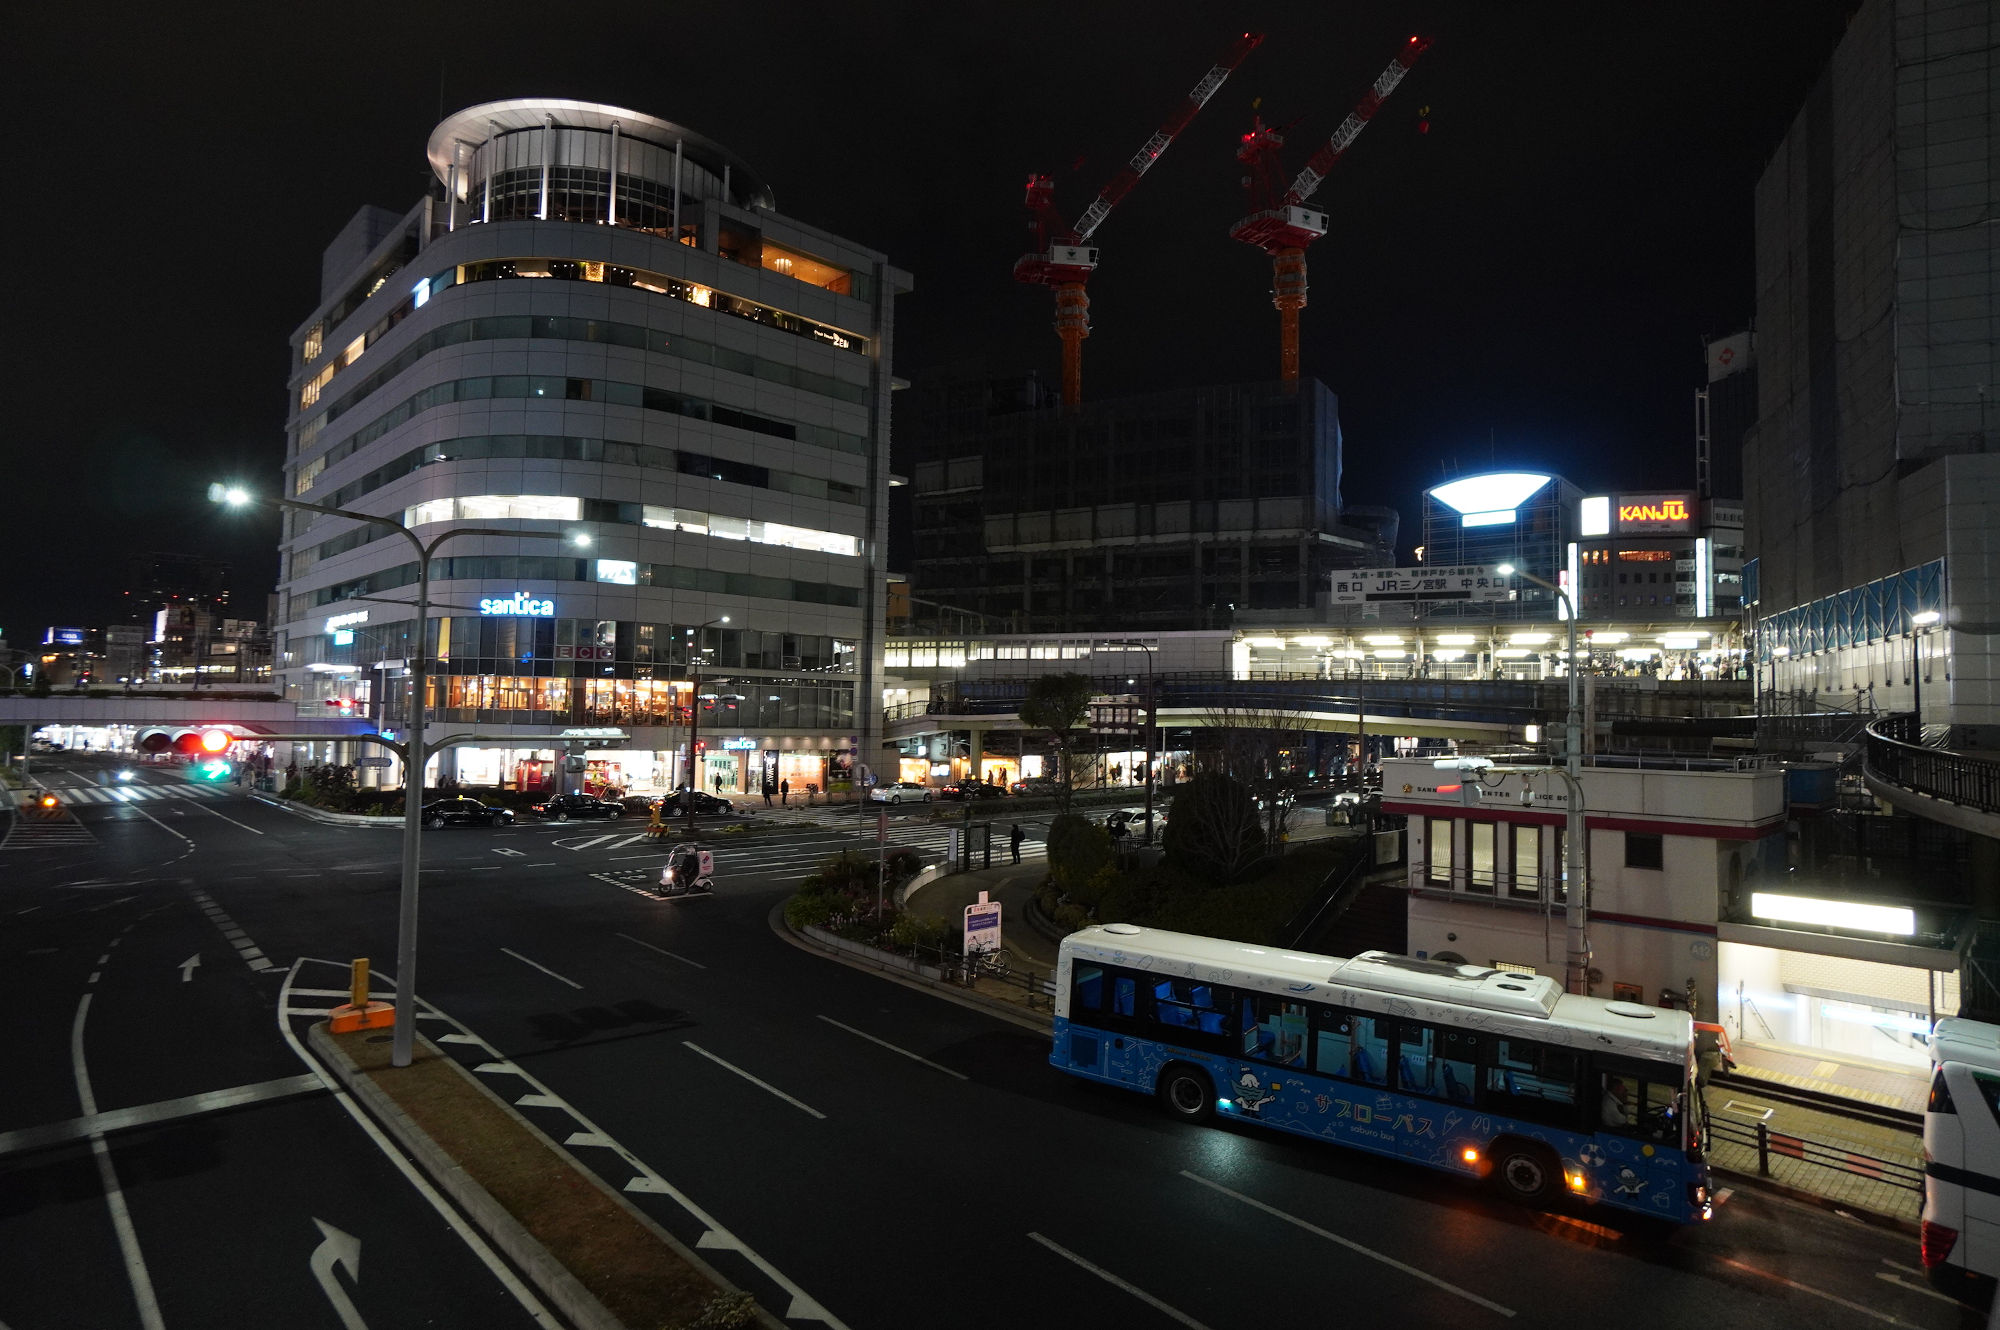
point(154, 582)
point(1167, 511)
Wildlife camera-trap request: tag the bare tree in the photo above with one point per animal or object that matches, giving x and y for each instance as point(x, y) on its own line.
point(1249, 744)
point(1057, 704)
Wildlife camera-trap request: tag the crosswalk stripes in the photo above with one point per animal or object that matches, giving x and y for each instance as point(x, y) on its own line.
point(39, 833)
point(132, 794)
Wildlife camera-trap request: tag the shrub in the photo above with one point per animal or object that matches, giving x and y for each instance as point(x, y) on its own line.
point(1214, 834)
point(1078, 851)
point(813, 909)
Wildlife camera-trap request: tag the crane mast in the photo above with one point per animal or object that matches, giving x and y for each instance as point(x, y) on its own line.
point(1281, 225)
point(1063, 259)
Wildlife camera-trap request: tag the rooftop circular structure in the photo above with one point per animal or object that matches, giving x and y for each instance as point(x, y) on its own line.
point(463, 147)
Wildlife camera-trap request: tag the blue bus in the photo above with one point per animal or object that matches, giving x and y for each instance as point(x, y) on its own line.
point(1486, 1073)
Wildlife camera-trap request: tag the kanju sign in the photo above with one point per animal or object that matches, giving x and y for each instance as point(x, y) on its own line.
point(1471, 582)
point(1664, 514)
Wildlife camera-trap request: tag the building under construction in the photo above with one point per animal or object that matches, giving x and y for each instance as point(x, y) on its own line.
point(1165, 511)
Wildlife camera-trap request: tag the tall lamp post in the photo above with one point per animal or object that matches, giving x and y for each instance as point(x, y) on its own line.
point(694, 709)
point(1920, 625)
point(1576, 908)
point(1152, 726)
point(414, 760)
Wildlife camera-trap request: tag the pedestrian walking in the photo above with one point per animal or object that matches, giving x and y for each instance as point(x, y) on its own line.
point(767, 796)
point(1015, 840)
point(718, 785)
point(784, 792)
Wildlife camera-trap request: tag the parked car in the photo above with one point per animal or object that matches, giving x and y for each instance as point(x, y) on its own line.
point(972, 789)
point(1037, 785)
point(677, 802)
point(900, 792)
point(563, 807)
point(466, 812)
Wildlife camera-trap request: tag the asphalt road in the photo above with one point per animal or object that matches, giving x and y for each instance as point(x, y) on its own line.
point(857, 1152)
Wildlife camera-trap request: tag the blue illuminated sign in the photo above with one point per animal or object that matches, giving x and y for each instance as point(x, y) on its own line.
point(520, 604)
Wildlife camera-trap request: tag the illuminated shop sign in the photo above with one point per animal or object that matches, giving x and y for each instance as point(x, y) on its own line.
point(64, 637)
point(340, 621)
point(519, 604)
point(1655, 512)
point(739, 745)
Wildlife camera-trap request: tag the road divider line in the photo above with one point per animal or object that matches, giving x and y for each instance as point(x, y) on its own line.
point(161, 825)
point(145, 1115)
point(664, 952)
point(1889, 1277)
point(232, 821)
point(543, 968)
point(760, 1084)
point(1117, 1283)
point(1807, 1288)
point(715, 1237)
point(478, 1245)
point(863, 1034)
point(1350, 1244)
point(114, 1196)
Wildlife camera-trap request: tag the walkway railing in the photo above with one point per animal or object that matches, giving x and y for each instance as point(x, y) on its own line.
point(1895, 758)
point(1781, 1146)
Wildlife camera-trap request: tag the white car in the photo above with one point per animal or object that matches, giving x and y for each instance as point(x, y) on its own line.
point(900, 792)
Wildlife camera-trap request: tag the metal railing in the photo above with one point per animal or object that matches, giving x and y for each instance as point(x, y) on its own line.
point(1334, 894)
point(1768, 1143)
point(1896, 759)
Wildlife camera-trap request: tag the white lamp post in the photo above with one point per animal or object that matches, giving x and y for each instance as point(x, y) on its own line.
point(1576, 916)
point(414, 759)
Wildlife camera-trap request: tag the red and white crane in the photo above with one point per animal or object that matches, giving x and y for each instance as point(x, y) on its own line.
point(1281, 225)
point(1063, 258)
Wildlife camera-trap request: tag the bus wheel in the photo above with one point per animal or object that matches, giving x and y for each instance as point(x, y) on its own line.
point(1526, 1173)
point(1187, 1092)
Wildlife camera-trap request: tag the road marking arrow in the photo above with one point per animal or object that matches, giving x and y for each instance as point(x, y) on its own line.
point(187, 967)
point(342, 1249)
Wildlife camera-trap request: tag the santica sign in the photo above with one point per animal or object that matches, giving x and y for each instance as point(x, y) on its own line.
point(520, 603)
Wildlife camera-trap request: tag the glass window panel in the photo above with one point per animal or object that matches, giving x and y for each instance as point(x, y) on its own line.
point(1482, 869)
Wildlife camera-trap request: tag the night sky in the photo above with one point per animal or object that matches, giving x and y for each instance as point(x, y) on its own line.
point(1528, 283)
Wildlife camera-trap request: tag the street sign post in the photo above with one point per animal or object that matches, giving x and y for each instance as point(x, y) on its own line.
point(982, 926)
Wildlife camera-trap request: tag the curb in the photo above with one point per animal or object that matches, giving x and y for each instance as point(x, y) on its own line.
point(904, 971)
point(1873, 1218)
point(549, 1276)
point(321, 815)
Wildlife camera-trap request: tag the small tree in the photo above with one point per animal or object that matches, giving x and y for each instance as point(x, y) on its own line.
point(1078, 851)
point(1057, 704)
point(1214, 832)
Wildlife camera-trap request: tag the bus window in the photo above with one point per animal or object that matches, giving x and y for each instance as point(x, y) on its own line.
point(1181, 1004)
point(1124, 995)
point(1414, 1069)
point(1274, 1030)
point(1641, 1105)
point(1532, 1081)
point(1089, 988)
point(1457, 1065)
point(1350, 1047)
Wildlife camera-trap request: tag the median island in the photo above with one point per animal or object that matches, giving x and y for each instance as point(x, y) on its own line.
point(629, 1271)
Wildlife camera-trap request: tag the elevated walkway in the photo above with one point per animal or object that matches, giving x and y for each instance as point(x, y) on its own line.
point(1958, 789)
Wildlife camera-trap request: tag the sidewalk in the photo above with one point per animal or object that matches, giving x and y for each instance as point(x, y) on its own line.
point(1013, 886)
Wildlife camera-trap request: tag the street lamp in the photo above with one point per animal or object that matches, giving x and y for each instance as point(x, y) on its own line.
point(1152, 724)
point(1922, 620)
point(694, 708)
point(414, 757)
point(1576, 917)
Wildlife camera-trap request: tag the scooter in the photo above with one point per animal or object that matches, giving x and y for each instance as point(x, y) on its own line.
point(684, 875)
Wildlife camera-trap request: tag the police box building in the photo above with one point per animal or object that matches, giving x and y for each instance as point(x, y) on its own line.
point(654, 412)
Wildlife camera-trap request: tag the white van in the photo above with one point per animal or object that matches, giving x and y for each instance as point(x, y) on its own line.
point(1961, 1223)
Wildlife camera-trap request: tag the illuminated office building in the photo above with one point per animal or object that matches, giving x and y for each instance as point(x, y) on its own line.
point(597, 323)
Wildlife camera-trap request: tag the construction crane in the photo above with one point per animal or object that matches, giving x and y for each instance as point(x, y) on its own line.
point(1281, 225)
point(1063, 258)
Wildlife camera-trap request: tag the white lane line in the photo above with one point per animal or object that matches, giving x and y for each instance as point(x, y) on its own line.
point(628, 858)
point(483, 868)
point(1113, 1280)
point(508, 1279)
point(161, 825)
point(1807, 1288)
point(863, 1034)
point(165, 1110)
point(762, 1085)
point(629, 840)
point(121, 1217)
point(1350, 1244)
point(584, 845)
point(664, 952)
point(232, 821)
point(1888, 1277)
point(543, 968)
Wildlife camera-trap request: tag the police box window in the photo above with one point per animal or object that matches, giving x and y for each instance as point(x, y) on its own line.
point(1642, 850)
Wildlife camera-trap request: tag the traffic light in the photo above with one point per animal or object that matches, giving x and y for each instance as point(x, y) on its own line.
point(187, 743)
